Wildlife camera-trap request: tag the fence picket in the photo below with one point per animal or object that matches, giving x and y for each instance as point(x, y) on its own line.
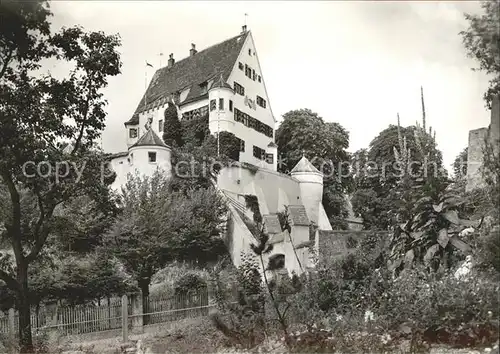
point(107, 315)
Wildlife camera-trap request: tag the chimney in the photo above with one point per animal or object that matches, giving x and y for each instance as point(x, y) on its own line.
point(171, 60)
point(244, 29)
point(193, 50)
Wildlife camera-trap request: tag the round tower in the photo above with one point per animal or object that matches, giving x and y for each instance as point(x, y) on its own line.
point(220, 98)
point(272, 148)
point(148, 154)
point(311, 187)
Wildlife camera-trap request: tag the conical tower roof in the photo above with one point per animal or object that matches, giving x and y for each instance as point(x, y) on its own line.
point(220, 83)
point(304, 165)
point(150, 138)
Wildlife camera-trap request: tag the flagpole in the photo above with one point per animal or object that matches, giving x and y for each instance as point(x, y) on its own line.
point(146, 86)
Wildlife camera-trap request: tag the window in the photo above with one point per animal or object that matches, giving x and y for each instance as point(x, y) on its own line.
point(240, 90)
point(250, 52)
point(213, 105)
point(160, 125)
point(242, 145)
point(240, 66)
point(270, 158)
point(248, 71)
point(230, 105)
point(259, 78)
point(131, 159)
point(204, 88)
point(151, 156)
point(253, 123)
point(253, 75)
point(195, 113)
point(261, 102)
point(259, 153)
point(221, 104)
point(132, 133)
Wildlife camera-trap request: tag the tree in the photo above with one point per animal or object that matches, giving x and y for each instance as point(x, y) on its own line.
point(304, 132)
point(81, 222)
point(460, 164)
point(158, 225)
point(379, 174)
point(37, 114)
point(481, 41)
point(172, 129)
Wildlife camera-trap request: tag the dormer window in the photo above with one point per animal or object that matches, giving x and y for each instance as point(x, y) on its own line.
point(203, 88)
point(152, 157)
point(132, 133)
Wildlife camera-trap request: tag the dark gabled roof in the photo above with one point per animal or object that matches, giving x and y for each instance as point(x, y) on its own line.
point(190, 72)
point(149, 139)
point(298, 215)
point(272, 224)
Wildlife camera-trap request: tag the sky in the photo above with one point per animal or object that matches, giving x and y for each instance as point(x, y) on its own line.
point(355, 63)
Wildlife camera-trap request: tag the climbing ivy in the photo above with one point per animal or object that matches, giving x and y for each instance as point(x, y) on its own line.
point(252, 203)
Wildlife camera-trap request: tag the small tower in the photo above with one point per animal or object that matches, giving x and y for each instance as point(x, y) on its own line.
point(148, 154)
point(220, 96)
point(272, 148)
point(311, 187)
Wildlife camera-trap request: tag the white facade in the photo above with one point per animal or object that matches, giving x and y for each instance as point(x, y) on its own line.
point(225, 119)
point(239, 105)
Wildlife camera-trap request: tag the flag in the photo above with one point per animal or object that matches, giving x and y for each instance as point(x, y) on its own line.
point(147, 64)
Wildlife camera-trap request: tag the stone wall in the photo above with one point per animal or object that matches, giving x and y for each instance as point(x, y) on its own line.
point(335, 244)
point(477, 140)
point(475, 158)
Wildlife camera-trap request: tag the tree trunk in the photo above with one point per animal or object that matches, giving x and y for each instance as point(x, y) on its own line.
point(23, 304)
point(144, 286)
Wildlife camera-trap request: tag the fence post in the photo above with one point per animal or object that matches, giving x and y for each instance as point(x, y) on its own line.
point(137, 312)
point(12, 325)
point(125, 318)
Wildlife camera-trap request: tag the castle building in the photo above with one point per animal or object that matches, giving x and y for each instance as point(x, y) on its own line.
point(225, 83)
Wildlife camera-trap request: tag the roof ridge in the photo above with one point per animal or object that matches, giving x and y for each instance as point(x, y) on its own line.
point(191, 70)
point(207, 48)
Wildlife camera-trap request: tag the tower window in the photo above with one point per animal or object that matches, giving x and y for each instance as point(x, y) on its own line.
point(132, 133)
point(151, 156)
point(221, 104)
point(230, 105)
point(160, 125)
point(213, 105)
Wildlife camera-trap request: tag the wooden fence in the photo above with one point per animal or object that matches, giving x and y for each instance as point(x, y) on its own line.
point(125, 313)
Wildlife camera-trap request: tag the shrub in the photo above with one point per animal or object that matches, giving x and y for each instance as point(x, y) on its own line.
point(189, 283)
point(241, 319)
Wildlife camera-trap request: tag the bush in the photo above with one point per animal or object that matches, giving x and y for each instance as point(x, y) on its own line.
point(189, 283)
point(419, 305)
